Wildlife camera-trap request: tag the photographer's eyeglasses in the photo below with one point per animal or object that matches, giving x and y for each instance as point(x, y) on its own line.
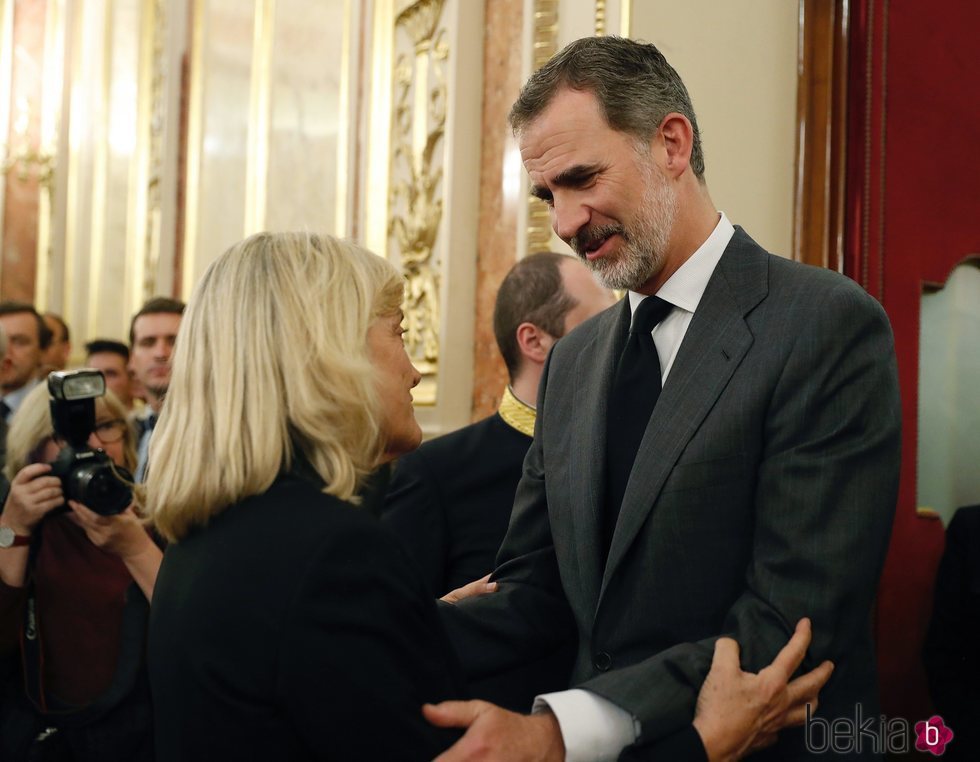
point(111, 431)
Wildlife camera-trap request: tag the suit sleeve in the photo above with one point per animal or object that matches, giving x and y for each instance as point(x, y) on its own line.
point(414, 510)
point(361, 697)
point(528, 617)
point(824, 503)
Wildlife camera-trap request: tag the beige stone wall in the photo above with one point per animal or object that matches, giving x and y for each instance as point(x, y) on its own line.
point(738, 60)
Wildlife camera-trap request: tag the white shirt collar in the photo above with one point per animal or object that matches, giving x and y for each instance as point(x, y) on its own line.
point(685, 287)
point(16, 397)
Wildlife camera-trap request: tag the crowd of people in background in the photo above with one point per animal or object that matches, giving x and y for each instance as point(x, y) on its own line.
point(80, 689)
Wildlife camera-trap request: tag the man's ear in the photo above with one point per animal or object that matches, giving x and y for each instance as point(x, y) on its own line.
point(678, 137)
point(534, 342)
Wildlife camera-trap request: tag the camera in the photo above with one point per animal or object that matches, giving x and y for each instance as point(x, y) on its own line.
point(88, 476)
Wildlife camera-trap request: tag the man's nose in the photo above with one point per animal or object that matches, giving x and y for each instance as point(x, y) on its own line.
point(568, 216)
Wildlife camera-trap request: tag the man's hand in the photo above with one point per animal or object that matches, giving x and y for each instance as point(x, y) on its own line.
point(739, 712)
point(481, 586)
point(496, 734)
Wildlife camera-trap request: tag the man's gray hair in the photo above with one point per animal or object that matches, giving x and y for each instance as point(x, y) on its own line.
point(632, 81)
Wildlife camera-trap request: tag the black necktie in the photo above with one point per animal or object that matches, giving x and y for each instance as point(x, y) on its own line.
point(633, 395)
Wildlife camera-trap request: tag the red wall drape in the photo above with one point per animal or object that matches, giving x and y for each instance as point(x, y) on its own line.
point(913, 214)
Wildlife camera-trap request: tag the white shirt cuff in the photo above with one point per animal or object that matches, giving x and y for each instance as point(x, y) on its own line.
point(592, 728)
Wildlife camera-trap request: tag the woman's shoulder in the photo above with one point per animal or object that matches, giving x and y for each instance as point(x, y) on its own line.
point(292, 499)
point(294, 514)
point(296, 531)
point(328, 541)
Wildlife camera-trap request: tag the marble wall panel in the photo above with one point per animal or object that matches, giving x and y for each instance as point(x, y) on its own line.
point(221, 83)
point(307, 122)
point(501, 194)
point(268, 123)
point(23, 28)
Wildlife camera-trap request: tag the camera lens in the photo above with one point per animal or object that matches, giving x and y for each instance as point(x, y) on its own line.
point(97, 486)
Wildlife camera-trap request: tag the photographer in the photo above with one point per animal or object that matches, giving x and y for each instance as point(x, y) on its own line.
point(73, 569)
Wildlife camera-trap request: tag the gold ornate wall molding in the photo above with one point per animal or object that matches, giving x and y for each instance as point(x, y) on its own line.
point(544, 45)
point(146, 211)
point(422, 185)
point(600, 18)
point(416, 193)
point(606, 17)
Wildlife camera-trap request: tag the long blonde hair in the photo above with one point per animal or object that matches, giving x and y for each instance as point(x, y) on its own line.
point(31, 425)
point(271, 357)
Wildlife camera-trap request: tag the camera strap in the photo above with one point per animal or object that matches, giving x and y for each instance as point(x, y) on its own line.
point(128, 663)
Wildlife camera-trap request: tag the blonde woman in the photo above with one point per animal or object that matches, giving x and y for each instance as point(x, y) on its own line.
point(81, 574)
point(287, 624)
point(285, 621)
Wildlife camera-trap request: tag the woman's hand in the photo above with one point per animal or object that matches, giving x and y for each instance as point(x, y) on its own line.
point(124, 536)
point(740, 712)
point(481, 586)
point(33, 495)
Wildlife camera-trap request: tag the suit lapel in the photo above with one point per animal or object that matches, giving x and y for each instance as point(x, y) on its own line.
point(594, 370)
point(714, 345)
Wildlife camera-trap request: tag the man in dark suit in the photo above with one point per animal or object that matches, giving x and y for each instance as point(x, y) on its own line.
point(718, 455)
point(152, 335)
point(450, 500)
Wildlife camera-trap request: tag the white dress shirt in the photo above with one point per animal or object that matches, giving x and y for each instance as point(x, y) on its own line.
point(593, 728)
point(14, 399)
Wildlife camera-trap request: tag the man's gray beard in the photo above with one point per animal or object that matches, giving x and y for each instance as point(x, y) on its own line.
point(644, 247)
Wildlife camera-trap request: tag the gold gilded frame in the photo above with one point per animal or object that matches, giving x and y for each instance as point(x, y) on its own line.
point(404, 212)
point(544, 45)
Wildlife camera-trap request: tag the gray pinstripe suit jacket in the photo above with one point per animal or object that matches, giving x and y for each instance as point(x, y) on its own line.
point(763, 491)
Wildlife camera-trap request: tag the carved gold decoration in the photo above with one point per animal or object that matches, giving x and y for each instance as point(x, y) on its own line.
point(545, 25)
point(30, 162)
point(151, 121)
point(600, 18)
point(415, 198)
point(158, 117)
